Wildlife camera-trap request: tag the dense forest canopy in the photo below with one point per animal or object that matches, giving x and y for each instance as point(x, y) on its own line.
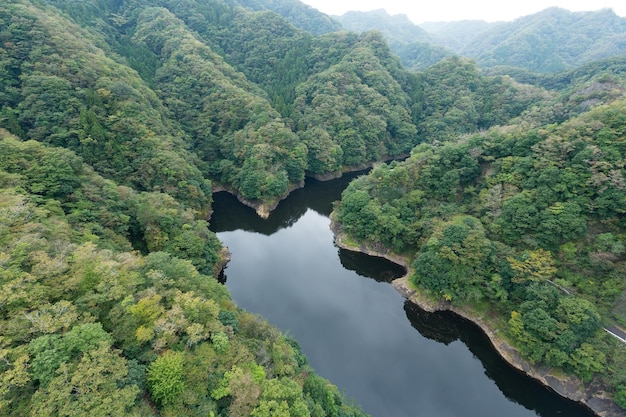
point(91, 326)
point(551, 40)
point(295, 12)
point(119, 118)
point(226, 94)
point(416, 48)
point(524, 221)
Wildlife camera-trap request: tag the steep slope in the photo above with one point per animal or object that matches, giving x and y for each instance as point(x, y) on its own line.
point(91, 327)
point(224, 93)
point(549, 41)
point(354, 112)
point(236, 132)
point(297, 13)
point(64, 89)
point(115, 116)
point(523, 222)
point(455, 98)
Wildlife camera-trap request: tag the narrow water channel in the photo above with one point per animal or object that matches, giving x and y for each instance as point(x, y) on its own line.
point(391, 357)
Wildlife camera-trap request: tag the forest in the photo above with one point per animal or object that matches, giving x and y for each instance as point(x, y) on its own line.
point(120, 118)
point(523, 222)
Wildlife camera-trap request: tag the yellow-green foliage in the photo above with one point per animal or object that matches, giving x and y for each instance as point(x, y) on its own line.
point(89, 325)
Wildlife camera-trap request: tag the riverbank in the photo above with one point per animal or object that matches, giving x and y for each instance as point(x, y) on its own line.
point(591, 395)
point(264, 209)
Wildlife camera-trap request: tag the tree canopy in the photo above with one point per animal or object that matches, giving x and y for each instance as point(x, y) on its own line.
point(118, 119)
point(528, 221)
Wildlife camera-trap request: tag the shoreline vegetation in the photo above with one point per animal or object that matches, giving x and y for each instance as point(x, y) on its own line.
point(116, 117)
point(94, 325)
point(263, 209)
point(568, 386)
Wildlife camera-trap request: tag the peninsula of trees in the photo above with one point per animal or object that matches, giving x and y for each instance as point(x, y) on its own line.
point(524, 223)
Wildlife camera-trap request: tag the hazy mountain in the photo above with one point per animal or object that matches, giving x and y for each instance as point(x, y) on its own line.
point(551, 40)
point(297, 13)
point(415, 47)
point(119, 118)
point(397, 28)
point(456, 35)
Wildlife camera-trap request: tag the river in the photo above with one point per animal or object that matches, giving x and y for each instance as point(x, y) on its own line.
point(388, 355)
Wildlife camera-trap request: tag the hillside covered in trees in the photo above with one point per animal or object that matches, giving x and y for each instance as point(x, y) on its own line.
point(416, 48)
point(120, 118)
point(226, 94)
point(524, 223)
point(91, 326)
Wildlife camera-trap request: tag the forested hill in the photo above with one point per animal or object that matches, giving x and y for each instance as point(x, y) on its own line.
point(91, 326)
point(549, 41)
point(178, 94)
point(523, 224)
point(297, 13)
point(112, 116)
point(396, 28)
point(416, 48)
point(119, 118)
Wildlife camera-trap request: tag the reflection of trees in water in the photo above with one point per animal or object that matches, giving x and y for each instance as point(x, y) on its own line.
point(443, 327)
point(434, 326)
point(229, 214)
point(364, 265)
point(446, 327)
point(222, 278)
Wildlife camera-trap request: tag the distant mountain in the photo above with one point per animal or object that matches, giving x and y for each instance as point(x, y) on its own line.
point(550, 41)
point(396, 28)
point(456, 35)
point(297, 13)
point(120, 118)
point(415, 47)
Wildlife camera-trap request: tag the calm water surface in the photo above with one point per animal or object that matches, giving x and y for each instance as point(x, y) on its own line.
point(391, 357)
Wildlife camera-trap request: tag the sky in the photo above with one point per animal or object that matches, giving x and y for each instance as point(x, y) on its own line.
point(451, 10)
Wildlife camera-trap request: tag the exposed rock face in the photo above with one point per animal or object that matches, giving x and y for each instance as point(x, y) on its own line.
point(568, 386)
point(224, 257)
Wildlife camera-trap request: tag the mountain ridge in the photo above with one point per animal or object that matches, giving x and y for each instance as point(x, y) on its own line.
point(549, 41)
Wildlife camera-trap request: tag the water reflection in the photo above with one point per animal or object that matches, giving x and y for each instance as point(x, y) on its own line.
point(447, 327)
point(379, 269)
point(316, 195)
point(355, 331)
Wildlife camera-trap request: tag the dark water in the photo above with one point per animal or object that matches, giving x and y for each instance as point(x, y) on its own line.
point(391, 357)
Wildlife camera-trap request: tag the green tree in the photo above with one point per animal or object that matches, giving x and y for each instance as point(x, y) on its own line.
point(165, 378)
point(281, 397)
point(534, 266)
point(91, 386)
